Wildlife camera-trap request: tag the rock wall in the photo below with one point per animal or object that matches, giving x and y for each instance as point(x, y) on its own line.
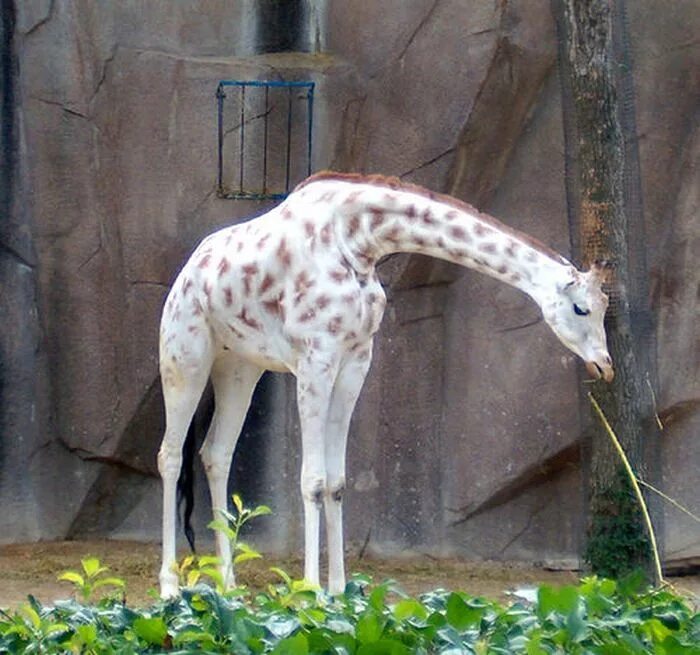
point(465, 440)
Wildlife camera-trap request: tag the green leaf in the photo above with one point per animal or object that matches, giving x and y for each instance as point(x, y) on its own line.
point(384, 647)
point(408, 608)
point(370, 627)
point(562, 600)
point(459, 615)
point(260, 510)
point(93, 567)
point(72, 576)
point(294, 645)
point(222, 526)
point(376, 598)
point(112, 582)
point(87, 633)
point(282, 574)
point(238, 502)
point(209, 560)
point(151, 630)
point(246, 553)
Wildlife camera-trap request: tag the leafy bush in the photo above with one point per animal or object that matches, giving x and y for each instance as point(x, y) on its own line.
point(293, 618)
point(598, 617)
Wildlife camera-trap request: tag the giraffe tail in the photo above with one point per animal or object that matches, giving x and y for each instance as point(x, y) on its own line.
point(185, 486)
point(186, 482)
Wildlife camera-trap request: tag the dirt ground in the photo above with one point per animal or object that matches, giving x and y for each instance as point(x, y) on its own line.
point(33, 569)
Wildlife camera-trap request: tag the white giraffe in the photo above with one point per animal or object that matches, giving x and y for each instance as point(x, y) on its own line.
point(296, 290)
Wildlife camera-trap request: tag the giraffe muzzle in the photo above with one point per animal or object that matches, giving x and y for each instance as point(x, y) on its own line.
point(603, 370)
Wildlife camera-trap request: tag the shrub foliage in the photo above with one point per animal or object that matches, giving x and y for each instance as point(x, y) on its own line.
point(599, 616)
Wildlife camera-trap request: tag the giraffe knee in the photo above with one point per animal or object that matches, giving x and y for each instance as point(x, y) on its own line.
point(313, 489)
point(336, 490)
point(169, 461)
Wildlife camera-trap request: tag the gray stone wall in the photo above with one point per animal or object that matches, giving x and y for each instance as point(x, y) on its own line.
point(465, 440)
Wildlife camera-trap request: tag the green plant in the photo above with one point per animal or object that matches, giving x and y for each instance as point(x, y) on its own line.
point(615, 548)
point(191, 570)
point(91, 579)
point(230, 525)
point(596, 617)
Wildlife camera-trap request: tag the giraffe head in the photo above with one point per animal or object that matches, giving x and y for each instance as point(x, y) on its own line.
point(576, 313)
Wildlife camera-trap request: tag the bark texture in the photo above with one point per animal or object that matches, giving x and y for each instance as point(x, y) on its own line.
point(605, 211)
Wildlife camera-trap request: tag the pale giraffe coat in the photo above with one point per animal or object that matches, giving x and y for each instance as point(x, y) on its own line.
point(296, 290)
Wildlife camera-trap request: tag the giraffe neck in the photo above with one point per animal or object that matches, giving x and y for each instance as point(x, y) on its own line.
point(374, 219)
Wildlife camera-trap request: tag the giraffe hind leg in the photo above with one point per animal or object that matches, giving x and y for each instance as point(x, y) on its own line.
point(234, 381)
point(183, 379)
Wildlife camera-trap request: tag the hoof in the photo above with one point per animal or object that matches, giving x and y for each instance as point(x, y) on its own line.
point(169, 587)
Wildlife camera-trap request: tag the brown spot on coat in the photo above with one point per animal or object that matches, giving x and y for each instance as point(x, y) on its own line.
point(267, 282)
point(458, 232)
point(261, 242)
point(489, 248)
point(287, 214)
point(377, 217)
point(228, 296)
point(310, 229)
point(511, 248)
point(393, 235)
point(411, 213)
point(353, 226)
point(302, 282)
point(335, 324)
point(204, 261)
point(250, 269)
point(428, 218)
point(352, 197)
point(339, 274)
point(248, 320)
point(197, 308)
point(224, 266)
point(326, 234)
point(283, 254)
point(307, 315)
point(186, 285)
point(323, 301)
point(481, 230)
point(272, 306)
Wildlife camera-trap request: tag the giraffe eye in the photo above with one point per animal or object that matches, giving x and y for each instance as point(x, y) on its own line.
point(581, 312)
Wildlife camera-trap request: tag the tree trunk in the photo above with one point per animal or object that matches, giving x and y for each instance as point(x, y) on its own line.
point(607, 224)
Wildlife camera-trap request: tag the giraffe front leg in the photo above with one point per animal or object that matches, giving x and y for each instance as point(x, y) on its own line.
point(314, 385)
point(343, 400)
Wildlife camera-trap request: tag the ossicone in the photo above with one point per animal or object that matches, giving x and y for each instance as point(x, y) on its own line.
point(601, 271)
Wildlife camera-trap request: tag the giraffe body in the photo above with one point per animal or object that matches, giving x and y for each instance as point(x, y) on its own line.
point(295, 290)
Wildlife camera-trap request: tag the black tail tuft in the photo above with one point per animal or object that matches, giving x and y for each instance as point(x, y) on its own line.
point(185, 483)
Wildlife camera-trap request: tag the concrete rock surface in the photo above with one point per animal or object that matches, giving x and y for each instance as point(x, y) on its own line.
point(465, 440)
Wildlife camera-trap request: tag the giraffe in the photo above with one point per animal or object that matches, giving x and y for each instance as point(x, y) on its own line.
point(296, 290)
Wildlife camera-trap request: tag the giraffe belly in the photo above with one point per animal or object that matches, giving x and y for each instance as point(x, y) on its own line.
point(264, 350)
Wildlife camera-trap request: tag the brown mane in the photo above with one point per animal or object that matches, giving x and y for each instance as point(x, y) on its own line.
point(395, 183)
